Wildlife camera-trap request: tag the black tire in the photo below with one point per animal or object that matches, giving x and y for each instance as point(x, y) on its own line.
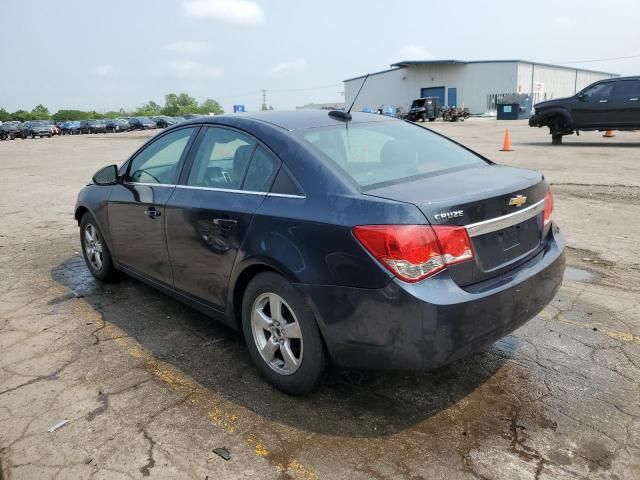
point(556, 139)
point(313, 359)
point(432, 119)
point(107, 272)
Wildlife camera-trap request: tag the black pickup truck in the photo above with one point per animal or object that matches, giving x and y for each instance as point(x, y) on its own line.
point(612, 104)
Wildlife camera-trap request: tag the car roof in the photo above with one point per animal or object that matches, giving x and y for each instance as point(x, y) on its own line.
point(295, 119)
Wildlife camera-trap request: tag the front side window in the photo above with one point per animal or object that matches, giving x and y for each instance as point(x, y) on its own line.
point(378, 153)
point(602, 90)
point(222, 159)
point(158, 162)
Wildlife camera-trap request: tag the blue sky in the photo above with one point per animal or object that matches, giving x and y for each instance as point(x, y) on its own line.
point(122, 53)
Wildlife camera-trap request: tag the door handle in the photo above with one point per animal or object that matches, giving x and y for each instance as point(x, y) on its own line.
point(151, 212)
point(604, 101)
point(225, 223)
point(635, 99)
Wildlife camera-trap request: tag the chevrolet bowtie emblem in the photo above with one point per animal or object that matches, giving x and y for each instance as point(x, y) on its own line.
point(517, 201)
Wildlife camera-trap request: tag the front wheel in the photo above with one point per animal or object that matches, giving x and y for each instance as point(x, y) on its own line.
point(95, 250)
point(282, 335)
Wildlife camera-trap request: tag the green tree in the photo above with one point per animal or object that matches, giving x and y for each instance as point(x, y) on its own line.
point(70, 115)
point(4, 115)
point(210, 106)
point(149, 109)
point(179, 104)
point(40, 112)
point(21, 116)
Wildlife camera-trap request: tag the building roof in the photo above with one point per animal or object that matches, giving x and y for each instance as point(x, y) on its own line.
point(408, 63)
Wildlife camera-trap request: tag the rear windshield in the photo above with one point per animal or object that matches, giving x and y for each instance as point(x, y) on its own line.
point(378, 153)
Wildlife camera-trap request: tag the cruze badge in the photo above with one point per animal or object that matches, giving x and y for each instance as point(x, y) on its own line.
point(517, 201)
point(446, 215)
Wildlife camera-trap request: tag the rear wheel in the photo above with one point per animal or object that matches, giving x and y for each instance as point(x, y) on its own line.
point(95, 251)
point(282, 335)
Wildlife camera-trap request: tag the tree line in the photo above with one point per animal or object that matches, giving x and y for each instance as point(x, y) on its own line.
point(174, 105)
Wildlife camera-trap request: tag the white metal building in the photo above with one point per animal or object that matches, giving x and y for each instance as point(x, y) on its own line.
point(472, 84)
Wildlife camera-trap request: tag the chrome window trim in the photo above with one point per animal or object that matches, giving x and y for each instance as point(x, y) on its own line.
point(149, 184)
point(214, 189)
point(509, 220)
point(285, 195)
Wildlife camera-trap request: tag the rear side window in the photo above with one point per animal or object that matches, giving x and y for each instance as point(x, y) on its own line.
point(627, 87)
point(378, 153)
point(222, 159)
point(262, 170)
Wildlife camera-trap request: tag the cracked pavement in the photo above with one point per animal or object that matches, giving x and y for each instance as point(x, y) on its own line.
point(150, 387)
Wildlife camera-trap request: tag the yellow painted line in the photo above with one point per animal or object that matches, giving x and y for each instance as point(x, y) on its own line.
point(623, 336)
point(220, 412)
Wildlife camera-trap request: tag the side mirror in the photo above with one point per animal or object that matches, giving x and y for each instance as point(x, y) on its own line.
point(106, 176)
point(581, 96)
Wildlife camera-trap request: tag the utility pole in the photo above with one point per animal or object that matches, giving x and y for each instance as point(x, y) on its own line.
point(264, 100)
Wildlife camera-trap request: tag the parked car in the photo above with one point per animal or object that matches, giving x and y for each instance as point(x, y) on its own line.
point(380, 245)
point(93, 126)
point(10, 130)
point(179, 119)
point(117, 125)
point(163, 121)
point(71, 128)
point(424, 108)
point(35, 129)
point(612, 104)
point(141, 123)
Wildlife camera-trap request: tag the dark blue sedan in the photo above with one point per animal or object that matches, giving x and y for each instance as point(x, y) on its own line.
point(369, 243)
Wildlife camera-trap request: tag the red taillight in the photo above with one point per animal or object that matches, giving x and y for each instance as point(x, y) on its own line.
point(548, 208)
point(415, 252)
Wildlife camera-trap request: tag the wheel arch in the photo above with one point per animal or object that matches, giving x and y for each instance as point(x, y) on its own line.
point(79, 213)
point(245, 274)
point(558, 112)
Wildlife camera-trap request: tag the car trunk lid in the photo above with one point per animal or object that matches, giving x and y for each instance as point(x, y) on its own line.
point(500, 206)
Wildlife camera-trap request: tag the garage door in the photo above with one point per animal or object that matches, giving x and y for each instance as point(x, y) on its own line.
point(433, 92)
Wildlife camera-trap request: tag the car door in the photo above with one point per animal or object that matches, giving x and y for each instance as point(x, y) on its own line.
point(136, 206)
point(627, 95)
point(210, 212)
point(594, 106)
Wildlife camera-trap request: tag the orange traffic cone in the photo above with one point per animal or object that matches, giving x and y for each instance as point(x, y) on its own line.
point(609, 134)
point(506, 145)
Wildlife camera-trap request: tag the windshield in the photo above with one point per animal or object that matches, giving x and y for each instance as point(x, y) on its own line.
point(378, 153)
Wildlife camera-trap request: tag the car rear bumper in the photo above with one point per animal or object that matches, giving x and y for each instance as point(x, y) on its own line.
point(434, 322)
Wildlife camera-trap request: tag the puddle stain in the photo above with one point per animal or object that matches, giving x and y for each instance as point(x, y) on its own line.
point(575, 274)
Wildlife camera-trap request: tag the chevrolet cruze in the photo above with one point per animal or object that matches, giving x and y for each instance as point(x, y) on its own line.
point(363, 241)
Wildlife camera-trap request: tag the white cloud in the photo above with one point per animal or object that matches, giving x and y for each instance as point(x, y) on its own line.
point(231, 11)
point(102, 70)
point(188, 68)
point(412, 52)
point(285, 67)
point(186, 47)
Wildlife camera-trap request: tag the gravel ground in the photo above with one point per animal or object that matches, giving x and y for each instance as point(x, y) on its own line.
point(150, 387)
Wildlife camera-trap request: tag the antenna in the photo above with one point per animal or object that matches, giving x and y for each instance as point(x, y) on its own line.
point(346, 116)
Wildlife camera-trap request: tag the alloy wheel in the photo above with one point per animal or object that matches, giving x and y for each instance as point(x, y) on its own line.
point(93, 247)
point(276, 333)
